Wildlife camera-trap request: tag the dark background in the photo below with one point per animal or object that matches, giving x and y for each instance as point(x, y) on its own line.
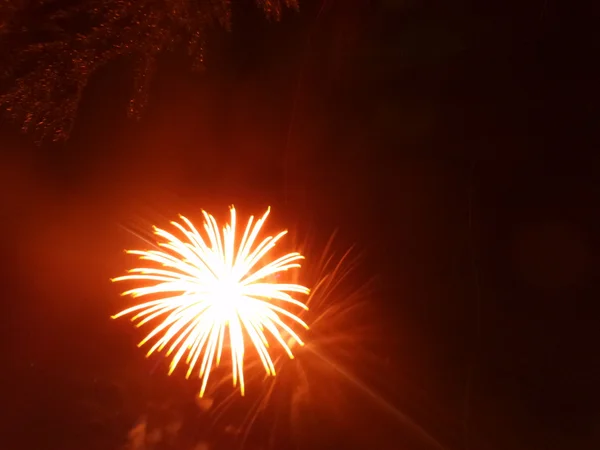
point(455, 144)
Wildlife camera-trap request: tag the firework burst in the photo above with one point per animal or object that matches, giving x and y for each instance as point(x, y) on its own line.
point(216, 293)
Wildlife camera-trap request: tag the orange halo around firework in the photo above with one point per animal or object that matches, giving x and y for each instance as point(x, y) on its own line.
point(207, 287)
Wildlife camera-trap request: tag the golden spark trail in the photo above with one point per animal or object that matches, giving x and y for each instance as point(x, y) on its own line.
point(215, 293)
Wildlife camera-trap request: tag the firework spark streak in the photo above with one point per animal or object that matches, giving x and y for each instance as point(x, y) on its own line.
point(209, 290)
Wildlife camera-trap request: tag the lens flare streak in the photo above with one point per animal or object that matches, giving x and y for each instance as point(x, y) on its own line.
point(222, 290)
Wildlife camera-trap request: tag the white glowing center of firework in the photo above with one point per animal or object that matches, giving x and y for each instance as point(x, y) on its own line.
point(228, 292)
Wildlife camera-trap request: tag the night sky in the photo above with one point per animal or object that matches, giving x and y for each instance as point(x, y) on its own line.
point(453, 144)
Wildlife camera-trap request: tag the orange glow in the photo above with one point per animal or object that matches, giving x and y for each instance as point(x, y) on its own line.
point(206, 289)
